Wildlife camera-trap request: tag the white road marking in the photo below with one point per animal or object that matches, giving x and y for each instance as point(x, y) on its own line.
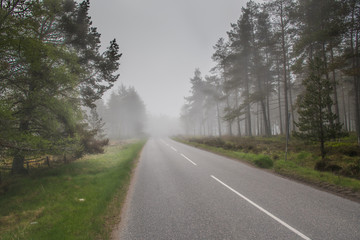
point(188, 159)
point(174, 149)
point(164, 142)
point(264, 211)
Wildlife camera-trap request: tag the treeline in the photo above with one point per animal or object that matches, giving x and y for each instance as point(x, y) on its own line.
point(51, 69)
point(124, 115)
point(286, 66)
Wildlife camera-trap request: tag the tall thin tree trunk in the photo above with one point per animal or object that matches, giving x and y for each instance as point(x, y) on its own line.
point(247, 97)
point(257, 120)
point(336, 102)
point(263, 108)
point(268, 112)
point(279, 98)
point(218, 118)
point(284, 53)
point(229, 121)
point(238, 126)
point(329, 106)
point(267, 93)
point(237, 107)
point(227, 102)
point(344, 108)
point(322, 137)
point(292, 109)
point(349, 113)
point(355, 80)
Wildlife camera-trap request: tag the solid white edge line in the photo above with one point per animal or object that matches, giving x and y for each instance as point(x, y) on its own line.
point(174, 149)
point(188, 159)
point(263, 210)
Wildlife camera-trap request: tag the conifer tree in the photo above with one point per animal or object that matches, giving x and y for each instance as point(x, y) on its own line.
point(50, 66)
point(316, 123)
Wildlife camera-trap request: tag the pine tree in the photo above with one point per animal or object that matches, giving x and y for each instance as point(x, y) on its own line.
point(125, 114)
point(196, 101)
point(221, 57)
point(316, 123)
point(50, 66)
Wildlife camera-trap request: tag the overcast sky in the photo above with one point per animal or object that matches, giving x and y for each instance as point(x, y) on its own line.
point(162, 42)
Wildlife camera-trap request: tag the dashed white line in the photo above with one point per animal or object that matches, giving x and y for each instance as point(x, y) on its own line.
point(164, 142)
point(188, 159)
point(174, 149)
point(263, 210)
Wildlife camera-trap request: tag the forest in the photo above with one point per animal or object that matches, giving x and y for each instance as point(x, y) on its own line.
point(286, 67)
point(53, 73)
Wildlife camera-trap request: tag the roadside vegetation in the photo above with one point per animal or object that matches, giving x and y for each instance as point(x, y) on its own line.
point(340, 172)
point(78, 200)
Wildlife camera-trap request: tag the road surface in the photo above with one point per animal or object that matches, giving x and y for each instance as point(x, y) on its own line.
point(181, 192)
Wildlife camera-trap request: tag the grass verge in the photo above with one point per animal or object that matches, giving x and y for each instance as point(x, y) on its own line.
point(323, 179)
point(260, 160)
point(299, 168)
point(80, 200)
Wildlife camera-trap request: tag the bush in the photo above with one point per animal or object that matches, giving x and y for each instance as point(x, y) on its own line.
point(263, 162)
point(348, 149)
point(352, 170)
point(320, 165)
point(215, 142)
point(94, 146)
point(229, 146)
point(351, 151)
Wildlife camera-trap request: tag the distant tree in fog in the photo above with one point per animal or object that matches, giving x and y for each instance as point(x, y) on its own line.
point(194, 111)
point(124, 115)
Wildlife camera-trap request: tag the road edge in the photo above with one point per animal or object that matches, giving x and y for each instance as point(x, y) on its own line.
point(119, 226)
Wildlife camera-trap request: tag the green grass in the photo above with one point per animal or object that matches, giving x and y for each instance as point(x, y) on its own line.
point(48, 204)
point(289, 168)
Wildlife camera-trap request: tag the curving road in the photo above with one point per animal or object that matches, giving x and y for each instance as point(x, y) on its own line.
point(181, 192)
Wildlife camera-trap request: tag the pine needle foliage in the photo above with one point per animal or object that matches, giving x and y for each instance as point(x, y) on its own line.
point(315, 122)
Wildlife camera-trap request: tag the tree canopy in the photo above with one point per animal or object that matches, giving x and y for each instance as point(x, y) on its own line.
point(266, 63)
point(50, 68)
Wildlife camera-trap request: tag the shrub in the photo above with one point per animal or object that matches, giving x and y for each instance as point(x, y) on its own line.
point(352, 170)
point(321, 165)
point(348, 149)
point(215, 142)
point(229, 146)
point(263, 162)
point(327, 166)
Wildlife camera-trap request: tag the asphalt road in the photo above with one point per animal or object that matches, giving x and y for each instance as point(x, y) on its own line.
point(180, 192)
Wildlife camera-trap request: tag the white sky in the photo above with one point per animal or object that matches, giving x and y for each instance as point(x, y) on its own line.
point(162, 42)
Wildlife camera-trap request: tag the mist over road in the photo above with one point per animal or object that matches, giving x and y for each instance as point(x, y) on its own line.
point(180, 192)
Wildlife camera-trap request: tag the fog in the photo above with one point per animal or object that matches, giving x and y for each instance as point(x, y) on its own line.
point(162, 125)
point(162, 42)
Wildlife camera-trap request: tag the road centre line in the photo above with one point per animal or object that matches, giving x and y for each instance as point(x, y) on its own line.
point(188, 159)
point(263, 210)
point(164, 142)
point(174, 149)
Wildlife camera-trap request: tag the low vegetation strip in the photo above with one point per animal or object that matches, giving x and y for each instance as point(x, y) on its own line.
point(300, 165)
point(79, 200)
point(260, 160)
